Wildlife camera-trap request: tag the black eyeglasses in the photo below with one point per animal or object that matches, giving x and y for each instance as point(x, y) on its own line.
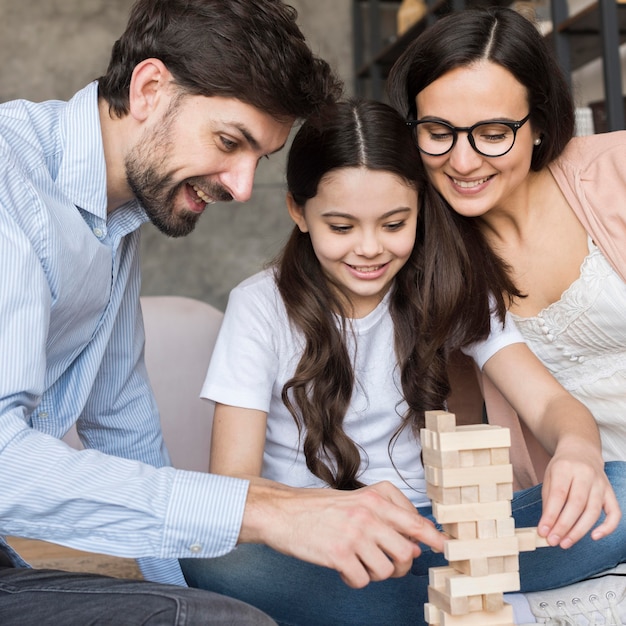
point(492, 138)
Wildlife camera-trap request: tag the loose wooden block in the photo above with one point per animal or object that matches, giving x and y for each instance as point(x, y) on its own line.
point(529, 540)
point(450, 513)
point(459, 550)
point(440, 421)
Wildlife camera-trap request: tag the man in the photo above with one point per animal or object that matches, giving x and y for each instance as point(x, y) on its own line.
point(197, 91)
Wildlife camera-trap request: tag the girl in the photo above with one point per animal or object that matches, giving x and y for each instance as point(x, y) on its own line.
point(321, 375)
point(550, 206)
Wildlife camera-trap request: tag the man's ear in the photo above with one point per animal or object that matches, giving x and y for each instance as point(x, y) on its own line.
point(296, 213)
point(150, 82)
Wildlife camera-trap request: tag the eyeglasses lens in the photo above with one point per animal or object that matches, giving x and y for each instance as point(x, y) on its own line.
point(490, 139)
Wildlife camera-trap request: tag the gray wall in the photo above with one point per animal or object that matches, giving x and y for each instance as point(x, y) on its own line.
point(51, 49)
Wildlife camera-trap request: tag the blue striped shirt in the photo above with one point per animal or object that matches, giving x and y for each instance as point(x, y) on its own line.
point(71, 351)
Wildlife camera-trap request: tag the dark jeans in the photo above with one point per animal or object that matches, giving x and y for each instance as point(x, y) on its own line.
point(31, 597)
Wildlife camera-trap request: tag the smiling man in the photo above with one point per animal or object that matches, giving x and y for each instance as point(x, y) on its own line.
point(197, 91)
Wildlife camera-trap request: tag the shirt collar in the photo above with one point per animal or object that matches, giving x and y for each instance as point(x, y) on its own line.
point(82, 174)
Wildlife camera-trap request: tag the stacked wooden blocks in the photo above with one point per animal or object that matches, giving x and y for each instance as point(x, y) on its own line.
point(470, 483)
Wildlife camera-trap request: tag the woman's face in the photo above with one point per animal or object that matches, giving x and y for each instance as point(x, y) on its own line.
point(471, 183)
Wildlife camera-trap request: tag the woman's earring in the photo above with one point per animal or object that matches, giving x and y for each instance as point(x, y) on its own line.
point(537, 141)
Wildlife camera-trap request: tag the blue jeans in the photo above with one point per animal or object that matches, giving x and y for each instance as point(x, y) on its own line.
point(295, 593)
point(31, 597)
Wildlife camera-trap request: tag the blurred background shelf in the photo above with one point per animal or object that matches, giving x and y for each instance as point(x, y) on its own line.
point(579, 34)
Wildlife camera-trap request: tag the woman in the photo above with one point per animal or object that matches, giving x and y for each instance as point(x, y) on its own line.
point(493, 119)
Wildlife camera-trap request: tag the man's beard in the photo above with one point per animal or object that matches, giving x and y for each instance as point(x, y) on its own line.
point(157, 196)
point(152, 186)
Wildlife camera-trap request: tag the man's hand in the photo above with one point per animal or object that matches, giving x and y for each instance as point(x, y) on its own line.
point(366, 535)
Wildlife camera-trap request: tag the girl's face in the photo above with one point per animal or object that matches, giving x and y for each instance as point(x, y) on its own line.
point(471, 183)
point(362, 225)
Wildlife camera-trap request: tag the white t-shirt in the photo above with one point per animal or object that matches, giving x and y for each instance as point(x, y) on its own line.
point(499, 337)
point(257, 352)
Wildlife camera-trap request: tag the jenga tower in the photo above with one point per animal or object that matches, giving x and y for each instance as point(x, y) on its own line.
point(470, 483)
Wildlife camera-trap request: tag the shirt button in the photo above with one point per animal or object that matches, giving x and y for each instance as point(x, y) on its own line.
point(43, 414)
point(98, 232)
point(195, 548)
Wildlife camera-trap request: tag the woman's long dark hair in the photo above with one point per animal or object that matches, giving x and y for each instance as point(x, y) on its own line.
point(362, 133)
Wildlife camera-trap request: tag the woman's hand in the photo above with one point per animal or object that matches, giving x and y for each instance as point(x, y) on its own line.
point(575, 492)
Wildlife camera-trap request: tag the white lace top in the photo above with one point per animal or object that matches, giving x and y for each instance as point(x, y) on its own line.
point(581, 339)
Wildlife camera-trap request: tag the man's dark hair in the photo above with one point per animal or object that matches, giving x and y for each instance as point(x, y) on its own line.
point(251, 50)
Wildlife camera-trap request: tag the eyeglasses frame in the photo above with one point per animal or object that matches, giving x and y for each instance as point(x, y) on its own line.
point(514, 126)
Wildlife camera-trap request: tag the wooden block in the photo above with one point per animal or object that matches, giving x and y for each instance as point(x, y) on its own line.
point(438, 576)
point(463, 585)
point(475, 603)
point(437, 458)
point(529, 540)
point(505, 527)
point(461, 530)
point(440, 421)
point(469, 494)
point(495, 565)
point(474, 436)
point(503, 617)
point(499, 456)
point(426, 439)
point(505, 491)
point(449, 495)
point(473, 567)
point(487, 529)
point(454, 606)
point(493, 602)
point(488, 493)
point(450, 513)
point(459, 550)
point(466, 476)
point(511, 563)
point(432, 614)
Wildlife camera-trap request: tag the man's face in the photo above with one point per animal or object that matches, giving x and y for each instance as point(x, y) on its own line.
point(201, 151)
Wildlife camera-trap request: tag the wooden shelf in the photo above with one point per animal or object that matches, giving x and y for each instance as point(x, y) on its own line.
point(584, 33)
point(377, 61)
point(593, 32)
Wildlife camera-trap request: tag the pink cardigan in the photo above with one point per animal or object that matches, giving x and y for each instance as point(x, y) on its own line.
point(591, 173)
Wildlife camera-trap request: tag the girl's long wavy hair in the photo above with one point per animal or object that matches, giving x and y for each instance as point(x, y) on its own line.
point(362, 133)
